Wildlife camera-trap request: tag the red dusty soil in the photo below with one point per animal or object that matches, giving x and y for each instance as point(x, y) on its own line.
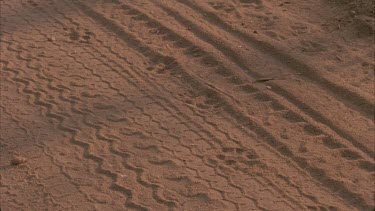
point(186, 105)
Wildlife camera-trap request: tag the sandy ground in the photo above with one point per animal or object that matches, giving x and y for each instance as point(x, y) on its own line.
point(186, 105)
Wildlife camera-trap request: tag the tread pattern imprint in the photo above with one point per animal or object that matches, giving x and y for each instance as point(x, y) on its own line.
point(149, 105)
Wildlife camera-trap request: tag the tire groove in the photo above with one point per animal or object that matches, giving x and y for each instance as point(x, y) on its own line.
point(135, 12)
point(46, 151)
point(73, 131)
point(363, 106)
point(151, 22)
point(117, 90)
point(132, 168)
point(108, 173)
point(316, 173)
point(235, 57)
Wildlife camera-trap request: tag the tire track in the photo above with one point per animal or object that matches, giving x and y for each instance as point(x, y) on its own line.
point(290, 115)
point(48, 152)
point(119, 91)
point(326, 140)
point(99, 75)
point(49, 106)
point(105, 82)
point(4, 112)
point(318, 174)
point(235, 57)
point(86, 146)
point(202, 114)
point(349, 97)
point(80, 112)
point(216, 141)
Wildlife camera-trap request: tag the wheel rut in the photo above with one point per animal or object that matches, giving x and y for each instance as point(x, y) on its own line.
point(157, 105)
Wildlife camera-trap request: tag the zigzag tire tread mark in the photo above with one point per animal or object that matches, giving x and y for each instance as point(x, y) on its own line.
point(154, 24)
point(313, 171)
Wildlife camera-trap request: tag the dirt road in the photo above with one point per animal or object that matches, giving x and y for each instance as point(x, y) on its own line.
point(186, 105)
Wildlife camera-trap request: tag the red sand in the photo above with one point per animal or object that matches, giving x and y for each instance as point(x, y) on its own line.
point(186, 105)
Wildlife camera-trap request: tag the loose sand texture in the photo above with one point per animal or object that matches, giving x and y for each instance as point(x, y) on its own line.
point(202, 105)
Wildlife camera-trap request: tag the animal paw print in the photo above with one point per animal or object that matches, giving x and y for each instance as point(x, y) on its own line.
point(158, 68)
point(238, 158)
point(79, 35)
